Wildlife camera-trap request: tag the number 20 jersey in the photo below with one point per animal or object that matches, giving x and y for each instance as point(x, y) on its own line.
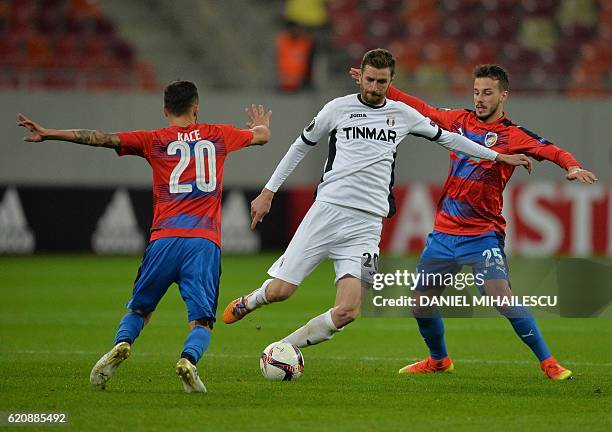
point(187, 164)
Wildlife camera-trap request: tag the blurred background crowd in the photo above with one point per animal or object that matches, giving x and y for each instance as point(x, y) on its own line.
point(548, 46)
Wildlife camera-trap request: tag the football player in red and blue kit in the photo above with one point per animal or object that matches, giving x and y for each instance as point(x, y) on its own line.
point(187, 160)
point(469, 226)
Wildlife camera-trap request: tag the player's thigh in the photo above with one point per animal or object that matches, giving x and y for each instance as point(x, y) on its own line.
point(199, 278)
point(308, 247)
point(356, 249)
point(436, 262)
point(156, 273)
point(439, 246)
point(485, 254)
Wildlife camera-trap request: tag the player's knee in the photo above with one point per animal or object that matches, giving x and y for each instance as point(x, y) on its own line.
point(145, 315)
point(279, 290)
point(419, 311)
point(202, 322)
point(503, 310)
point(502, 304)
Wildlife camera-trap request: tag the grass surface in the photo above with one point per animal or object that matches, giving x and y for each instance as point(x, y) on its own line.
point(58, 315)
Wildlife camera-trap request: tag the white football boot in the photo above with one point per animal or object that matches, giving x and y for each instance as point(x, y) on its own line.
point(108, 364)
point(189, 377)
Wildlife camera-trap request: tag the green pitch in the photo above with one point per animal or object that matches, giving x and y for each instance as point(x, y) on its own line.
point(58, 315)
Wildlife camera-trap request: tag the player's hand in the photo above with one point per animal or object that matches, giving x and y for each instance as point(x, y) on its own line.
point(38, 132)
point(582, 175)
point(257, 116)
point(355, 74)
point(260, 206)
point(515, 160)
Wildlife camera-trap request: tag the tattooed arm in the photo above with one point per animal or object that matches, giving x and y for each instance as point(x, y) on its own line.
point(80, 136)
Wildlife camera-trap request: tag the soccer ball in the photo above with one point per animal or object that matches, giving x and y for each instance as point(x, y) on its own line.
point(281, 361)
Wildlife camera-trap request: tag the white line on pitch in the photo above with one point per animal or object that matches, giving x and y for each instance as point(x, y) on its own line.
point(335, 358)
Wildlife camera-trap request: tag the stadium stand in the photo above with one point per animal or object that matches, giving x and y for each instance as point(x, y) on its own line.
point(549, 45)
point(66, 44)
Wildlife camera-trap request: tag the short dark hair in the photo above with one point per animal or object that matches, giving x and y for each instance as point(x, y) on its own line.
point(378, 58)
point(180, 96)
point(495, 72)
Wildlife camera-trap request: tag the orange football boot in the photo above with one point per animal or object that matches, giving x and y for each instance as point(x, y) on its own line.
point(554, 370)
point(236, 310)
point(429, 365)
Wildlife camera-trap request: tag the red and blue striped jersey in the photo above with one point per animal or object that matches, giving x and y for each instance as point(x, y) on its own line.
point(187, 164)
point(472, 201)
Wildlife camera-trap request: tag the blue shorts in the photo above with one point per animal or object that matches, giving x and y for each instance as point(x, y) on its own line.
point(193, 263)
point(448, 253)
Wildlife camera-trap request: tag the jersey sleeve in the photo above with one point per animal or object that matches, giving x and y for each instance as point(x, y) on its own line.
point(444, 118)
point(137, 143)
point(296, 153)
point(531, 144)
point(421, 126)
point(424, 127)
point(320, 126)
point(236, 139)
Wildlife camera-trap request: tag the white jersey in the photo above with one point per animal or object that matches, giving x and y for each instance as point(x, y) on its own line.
point(363, 141)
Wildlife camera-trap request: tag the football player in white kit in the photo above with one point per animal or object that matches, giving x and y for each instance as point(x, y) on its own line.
point(355, 193)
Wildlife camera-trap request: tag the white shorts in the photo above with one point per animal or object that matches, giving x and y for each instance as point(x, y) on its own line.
point(348, 236)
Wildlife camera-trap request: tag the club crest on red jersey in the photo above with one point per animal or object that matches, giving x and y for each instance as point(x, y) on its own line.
point(490, 139)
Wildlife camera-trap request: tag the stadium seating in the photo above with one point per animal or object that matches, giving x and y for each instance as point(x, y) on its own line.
point(66, 44)
point(558, 46)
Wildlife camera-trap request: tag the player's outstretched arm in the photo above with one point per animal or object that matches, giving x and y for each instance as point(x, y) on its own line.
point(515, 160)
point(533, 145)
point(319, 127)
point(259, 123)
point(79, 136)
point(580, 174)
point(260, 206)
point(455, 142)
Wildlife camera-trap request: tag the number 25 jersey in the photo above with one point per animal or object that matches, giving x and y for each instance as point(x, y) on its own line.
point(187, 164)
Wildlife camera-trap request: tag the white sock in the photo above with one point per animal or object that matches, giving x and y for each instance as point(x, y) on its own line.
point(258, 297)
point(318, 329)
